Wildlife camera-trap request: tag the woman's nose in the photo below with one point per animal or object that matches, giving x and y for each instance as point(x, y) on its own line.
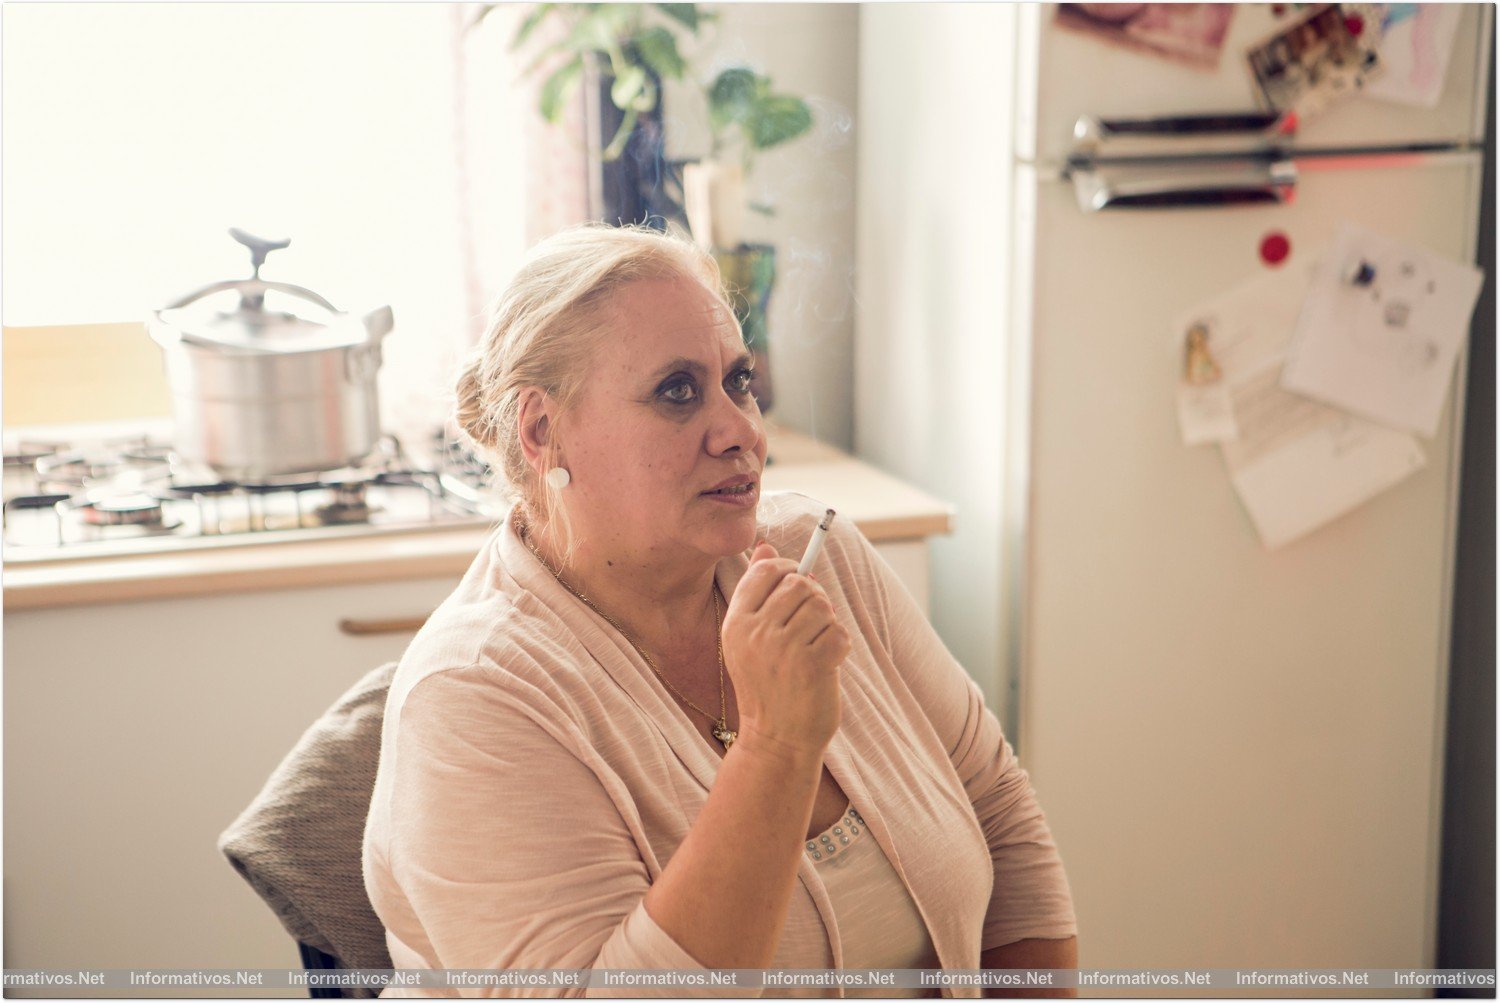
point(734, 423)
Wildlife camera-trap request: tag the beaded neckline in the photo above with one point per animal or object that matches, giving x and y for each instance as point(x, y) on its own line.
point(837, 836)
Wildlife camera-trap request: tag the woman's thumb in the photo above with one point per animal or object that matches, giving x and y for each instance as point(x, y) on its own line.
point(763, 551)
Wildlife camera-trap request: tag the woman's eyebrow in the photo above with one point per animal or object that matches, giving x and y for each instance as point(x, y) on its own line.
point(696, 368)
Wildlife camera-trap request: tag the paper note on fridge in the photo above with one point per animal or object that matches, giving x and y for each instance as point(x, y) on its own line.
point(1296, 464)
point(1299, 464)
point(1204, 414)
point(1416, 41)
point(1381, 328)
point(1241, 328)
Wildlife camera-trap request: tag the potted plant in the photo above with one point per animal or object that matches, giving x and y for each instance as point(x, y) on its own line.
point(625, 50)
point(630, 49)
point(744, 114)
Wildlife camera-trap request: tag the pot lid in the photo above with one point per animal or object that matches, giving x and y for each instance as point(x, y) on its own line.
point(235, 314)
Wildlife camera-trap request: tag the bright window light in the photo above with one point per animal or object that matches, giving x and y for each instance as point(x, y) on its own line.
point(136, 134)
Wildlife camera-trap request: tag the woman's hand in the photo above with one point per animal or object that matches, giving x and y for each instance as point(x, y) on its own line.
point(783, 646)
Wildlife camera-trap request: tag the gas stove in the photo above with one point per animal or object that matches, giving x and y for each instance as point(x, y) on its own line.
point(81, 492)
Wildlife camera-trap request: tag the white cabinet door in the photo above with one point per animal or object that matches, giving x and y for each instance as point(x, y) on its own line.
point(134, 734)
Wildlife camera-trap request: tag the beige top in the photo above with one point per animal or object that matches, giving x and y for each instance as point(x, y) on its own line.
point(879, 924)
point(536, 777)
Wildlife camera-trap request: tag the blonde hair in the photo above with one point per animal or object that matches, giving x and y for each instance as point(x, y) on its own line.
point(544, 330)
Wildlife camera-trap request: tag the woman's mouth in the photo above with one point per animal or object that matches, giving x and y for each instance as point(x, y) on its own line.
point(740, 495)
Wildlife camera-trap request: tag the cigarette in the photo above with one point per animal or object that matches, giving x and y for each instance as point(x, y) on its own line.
point(815, 545)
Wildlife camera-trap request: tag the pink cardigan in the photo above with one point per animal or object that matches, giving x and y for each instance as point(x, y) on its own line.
point(535, 778)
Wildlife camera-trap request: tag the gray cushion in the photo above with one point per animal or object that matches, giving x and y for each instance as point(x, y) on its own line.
point(299, 842)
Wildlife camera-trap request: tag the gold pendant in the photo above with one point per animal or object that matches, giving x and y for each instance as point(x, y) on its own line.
point(723, 734)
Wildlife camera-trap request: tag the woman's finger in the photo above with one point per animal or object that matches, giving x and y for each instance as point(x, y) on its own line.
point(760, 581)
point(789, 595)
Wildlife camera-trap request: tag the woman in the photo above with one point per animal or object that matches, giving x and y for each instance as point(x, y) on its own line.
point(634, 736)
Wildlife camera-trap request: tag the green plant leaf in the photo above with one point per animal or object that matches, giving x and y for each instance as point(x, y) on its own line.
point(582, 37)
point(730, 97)
point(479, 16)
point(658, 48)
point(685, 14)
point(559, 87)
point(628, 86)
point(528, 25)
point(617, 21)
point(646, 99)
point(594, 27)
point(622, 136)
point(776, 119)
point(544, 56)
point(594, 32)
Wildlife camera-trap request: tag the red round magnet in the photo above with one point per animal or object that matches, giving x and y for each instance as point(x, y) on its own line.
point(1274, 248)
point(1355, 24)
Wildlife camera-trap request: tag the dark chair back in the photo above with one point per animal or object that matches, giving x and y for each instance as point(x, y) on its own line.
point(299, 843)
point(315, 960)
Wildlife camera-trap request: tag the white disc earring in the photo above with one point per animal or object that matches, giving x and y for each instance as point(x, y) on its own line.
point(558, 477)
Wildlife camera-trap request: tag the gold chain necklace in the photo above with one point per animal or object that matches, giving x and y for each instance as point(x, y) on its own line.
point(721, 730)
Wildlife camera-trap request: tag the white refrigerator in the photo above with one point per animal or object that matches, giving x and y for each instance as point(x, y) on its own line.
point(1239, 749)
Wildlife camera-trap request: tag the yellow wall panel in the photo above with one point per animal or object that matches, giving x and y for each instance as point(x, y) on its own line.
point(82, 373)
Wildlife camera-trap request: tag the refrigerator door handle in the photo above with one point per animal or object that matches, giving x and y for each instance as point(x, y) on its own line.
point(1091, 132)
point(1271, 182)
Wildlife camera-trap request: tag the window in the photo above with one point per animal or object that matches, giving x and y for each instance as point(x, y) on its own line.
point(383, 139)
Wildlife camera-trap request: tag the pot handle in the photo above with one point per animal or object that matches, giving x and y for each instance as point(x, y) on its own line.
point(259, 247)
point(253, 287)
point(362, 362)
point(378, 323)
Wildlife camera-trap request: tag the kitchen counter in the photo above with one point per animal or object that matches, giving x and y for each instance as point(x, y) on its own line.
point(884, 508)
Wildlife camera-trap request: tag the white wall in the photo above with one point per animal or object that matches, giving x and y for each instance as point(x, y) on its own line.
point(933, 229)
point(811, 51)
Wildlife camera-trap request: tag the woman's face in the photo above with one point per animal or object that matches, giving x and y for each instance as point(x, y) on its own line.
point(665, 414)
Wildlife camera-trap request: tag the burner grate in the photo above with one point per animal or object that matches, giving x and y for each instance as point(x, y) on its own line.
point(134, 494)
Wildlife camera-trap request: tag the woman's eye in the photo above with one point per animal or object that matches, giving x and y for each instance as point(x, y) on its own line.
point(739, 382)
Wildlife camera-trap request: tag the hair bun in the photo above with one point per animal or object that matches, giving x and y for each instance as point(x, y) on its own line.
point(468, 409)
